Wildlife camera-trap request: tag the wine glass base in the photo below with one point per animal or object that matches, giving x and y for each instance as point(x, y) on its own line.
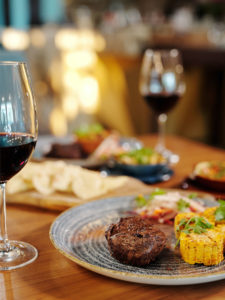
point(19, 255)
point(171, 157)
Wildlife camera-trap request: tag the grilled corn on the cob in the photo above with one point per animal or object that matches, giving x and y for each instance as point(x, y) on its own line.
point(221, 228)
point(205, 248)
point(209, 214)
point(199, 243)
point(180, 217)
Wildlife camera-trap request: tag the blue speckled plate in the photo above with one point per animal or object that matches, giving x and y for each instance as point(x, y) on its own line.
point(78, 233)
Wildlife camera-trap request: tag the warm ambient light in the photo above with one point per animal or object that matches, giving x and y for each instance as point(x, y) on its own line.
point(79, 88)
point(100, 42)
point(37, 37)
point(58, 122)
point(68, 39)
point(70, 106)
point(15, 40)
point(71, 80)
point(90, 39)
point(79, 59)
point(89, 94)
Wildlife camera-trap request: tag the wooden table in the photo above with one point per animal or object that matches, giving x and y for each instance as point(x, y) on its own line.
point(52, 276)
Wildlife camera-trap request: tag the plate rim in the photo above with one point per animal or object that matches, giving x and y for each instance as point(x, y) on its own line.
point(133, 277)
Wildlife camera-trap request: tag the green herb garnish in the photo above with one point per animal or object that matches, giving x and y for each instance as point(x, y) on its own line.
point(141, 156)
point(156, 192)
point(87, 130)
point(221, 202)
point(220, 174)
point(182, 204)
point(140, 201)
point(192, 195)
point(195, 224)
point(220, 211)
point(220, 170)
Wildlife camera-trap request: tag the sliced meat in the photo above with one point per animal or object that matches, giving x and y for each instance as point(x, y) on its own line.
point(135, 241)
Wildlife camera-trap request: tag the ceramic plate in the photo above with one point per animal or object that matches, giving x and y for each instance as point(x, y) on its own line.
point(164, 175)
point(78, 233)
point(206, 181)
point(45, 143)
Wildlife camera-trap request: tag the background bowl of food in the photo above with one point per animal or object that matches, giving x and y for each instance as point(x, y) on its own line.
point(139, 162)
point(210, 174)
point(91, 136)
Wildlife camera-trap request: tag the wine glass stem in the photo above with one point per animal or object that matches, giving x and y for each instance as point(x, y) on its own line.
point(3, 235)
point(160, 146)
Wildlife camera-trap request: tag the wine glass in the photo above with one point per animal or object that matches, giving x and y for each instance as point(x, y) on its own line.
point(161, 84)
point(18, 135)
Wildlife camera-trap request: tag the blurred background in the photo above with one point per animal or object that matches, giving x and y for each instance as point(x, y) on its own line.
point(85, 58)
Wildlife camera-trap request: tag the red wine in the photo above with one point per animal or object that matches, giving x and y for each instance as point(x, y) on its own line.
point(162, 102)
point(15, 150)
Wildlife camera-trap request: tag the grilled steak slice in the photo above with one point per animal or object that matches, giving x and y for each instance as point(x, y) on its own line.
point(135, 241)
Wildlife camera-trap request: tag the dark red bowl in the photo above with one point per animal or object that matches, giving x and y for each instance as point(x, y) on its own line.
point(211, 184)
point(218, 185)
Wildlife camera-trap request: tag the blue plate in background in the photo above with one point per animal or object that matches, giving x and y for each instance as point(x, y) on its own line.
point(138, 170)
point(164, 175)
point(146, 173)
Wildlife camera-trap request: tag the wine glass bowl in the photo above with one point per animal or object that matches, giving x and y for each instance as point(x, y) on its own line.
point(18, 135)
point(161, 85)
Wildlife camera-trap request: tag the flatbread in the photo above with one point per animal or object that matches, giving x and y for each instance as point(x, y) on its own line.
point(49, 177)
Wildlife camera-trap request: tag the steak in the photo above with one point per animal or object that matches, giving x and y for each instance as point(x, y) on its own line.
point(73, 151)
point(135, 241)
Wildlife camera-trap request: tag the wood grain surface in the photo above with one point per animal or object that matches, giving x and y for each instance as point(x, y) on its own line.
point(52, 276)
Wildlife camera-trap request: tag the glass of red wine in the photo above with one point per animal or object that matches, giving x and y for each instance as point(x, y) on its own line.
point(161, 85)
point(18, 135)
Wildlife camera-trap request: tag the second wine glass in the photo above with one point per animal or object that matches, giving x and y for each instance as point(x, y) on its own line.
point(18, 135)
point(161, 85)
